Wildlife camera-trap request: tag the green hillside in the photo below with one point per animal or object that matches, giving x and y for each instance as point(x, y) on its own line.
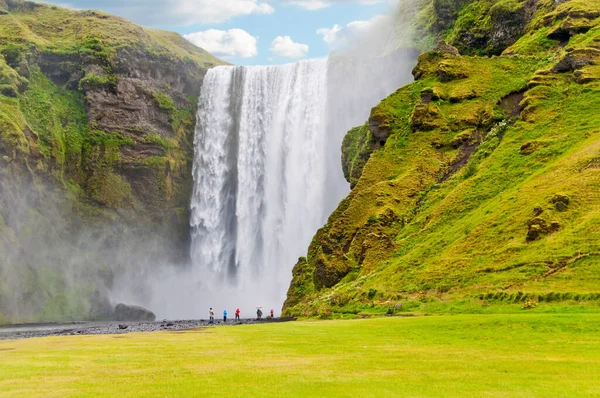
point(485, 193)
point(97, 119)
point(29, 25)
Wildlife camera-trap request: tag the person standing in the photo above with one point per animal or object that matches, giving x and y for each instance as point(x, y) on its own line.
point(272, 314)
point(211, 316)
point(224, 316)
point(259, 314)
point(237, 314)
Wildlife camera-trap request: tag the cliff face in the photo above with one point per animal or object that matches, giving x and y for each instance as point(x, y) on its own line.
point(97, 118)
point(476, 187)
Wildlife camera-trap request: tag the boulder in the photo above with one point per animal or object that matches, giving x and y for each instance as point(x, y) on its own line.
point(561, 202)
point(538, 228)
point(576, 59)
point(124, 312)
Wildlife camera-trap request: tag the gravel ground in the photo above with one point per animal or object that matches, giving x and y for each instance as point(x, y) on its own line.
point(26, 331)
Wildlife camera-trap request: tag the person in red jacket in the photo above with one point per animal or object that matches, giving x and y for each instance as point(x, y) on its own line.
point(271, 313)
point(237, 314)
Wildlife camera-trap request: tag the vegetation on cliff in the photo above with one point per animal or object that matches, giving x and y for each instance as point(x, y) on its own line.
point(481, 187)
point(97, 119)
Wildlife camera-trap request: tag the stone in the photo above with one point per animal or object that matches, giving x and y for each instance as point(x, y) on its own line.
point(561, 202)
point(442, 46)
point(538, 227)
point(123, 327)
point(528, 148)
point(577, 59)
point(124, 312)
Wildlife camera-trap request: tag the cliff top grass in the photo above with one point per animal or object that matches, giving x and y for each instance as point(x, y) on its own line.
point(458, 356)
point(62, 30)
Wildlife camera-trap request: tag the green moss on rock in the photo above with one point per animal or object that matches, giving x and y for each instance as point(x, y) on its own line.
point(357, 147)
point(459, 200)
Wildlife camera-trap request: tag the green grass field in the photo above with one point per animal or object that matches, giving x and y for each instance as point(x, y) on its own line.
point(467, 355)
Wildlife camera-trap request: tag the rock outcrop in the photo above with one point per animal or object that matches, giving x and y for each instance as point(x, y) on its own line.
point(133, 313)
point(97, 119)
point(478, 177)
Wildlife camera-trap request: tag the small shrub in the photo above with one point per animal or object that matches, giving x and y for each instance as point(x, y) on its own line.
point(373, 218)
point(529, 304)
point(371, 294)
point(165, 102)
point(93, 80)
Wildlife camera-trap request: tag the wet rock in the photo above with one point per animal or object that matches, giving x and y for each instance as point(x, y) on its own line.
point(124, 312)
point(123, 327)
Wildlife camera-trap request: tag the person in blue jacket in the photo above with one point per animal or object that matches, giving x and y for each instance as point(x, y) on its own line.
point(224, 315)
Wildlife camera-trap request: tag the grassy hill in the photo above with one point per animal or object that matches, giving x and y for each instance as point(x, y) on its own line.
point(97, 118)
point(27, 24)
point(481, 191)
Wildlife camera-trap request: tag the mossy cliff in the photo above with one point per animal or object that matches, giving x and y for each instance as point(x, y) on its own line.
point(475, 188)
point(97, 118)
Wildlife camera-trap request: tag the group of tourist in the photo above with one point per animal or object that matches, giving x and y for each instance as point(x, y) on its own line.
point(211, 315)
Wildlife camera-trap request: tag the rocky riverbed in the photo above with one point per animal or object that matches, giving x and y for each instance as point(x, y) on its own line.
point(25, 331)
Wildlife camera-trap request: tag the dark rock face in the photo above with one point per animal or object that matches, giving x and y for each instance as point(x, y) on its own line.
point(538, 227)
point(507, 23)
point(577, 59)
point(124, 312)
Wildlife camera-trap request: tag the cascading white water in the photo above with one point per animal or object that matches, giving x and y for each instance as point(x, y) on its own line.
point(259, 172)
point(267, 171)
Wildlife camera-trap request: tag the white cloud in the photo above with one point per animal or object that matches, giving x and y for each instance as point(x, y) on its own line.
point(226, 43)
point(330, 35)
point(374, 30)
point(311, 4)
point(215, 11)
point(284, 46)
point(319, 4)
point(175, 12)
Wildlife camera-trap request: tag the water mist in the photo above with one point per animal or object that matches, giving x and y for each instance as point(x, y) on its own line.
point(267, 167)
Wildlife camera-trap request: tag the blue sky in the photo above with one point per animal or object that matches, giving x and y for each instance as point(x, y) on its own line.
point(249, 32)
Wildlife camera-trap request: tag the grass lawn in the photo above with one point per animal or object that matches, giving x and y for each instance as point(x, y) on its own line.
point(520, 355)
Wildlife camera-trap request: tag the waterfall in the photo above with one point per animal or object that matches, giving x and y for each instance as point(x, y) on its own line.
point(260, 174)
point(267, 167)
